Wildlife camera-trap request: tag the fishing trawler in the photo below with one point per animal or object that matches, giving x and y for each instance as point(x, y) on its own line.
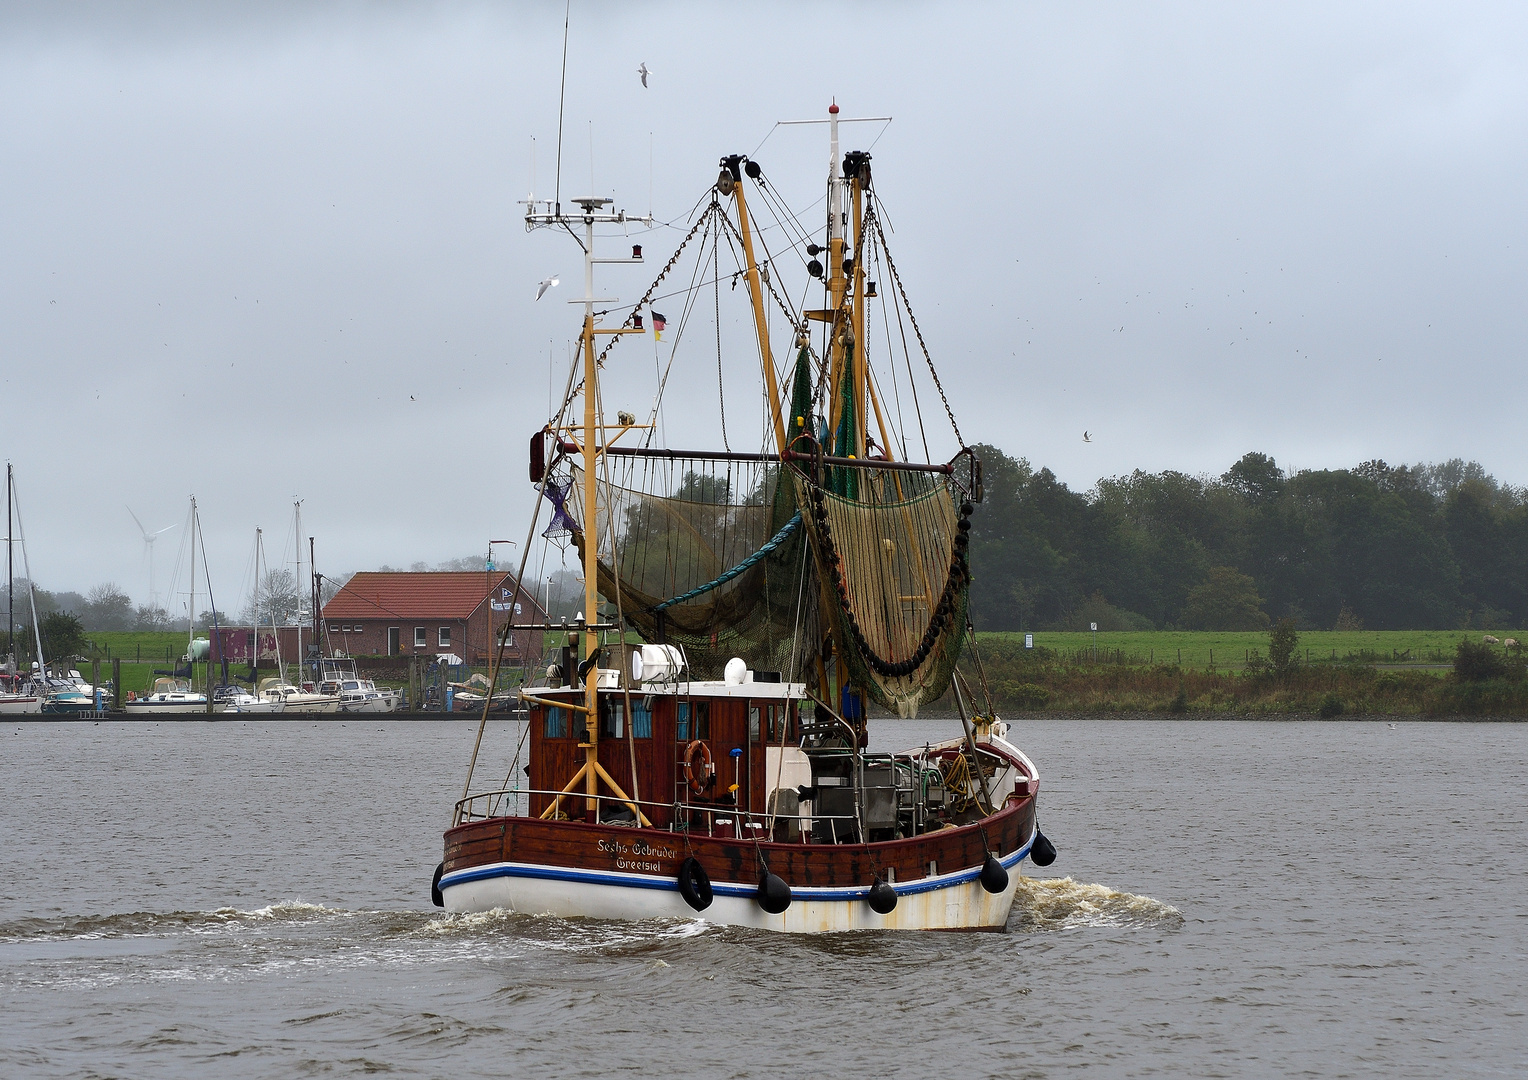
point(720, 769)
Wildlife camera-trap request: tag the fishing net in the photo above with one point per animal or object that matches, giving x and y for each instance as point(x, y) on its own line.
point(711, 556)
point(726, 560)
point(894, 558)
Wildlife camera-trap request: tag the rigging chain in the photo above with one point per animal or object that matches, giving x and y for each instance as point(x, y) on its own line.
point(600, 360)
point(768, 279)
point(892, 266)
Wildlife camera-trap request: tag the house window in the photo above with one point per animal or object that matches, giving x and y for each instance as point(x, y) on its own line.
point(392, 641)
point(443, 639)
point(555, 725)
point(420, 640)
point(335, 629)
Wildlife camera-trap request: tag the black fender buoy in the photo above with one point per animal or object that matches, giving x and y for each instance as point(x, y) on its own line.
point(694, 884)
point(435, 896)
point(883, 898)
point(994, 878)
point(1042, 852)
point(774, 894)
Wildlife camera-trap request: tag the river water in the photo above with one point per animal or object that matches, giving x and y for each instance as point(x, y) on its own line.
point(1231, 899)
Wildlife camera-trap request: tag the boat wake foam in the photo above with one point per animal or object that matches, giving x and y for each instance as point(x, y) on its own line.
point(1041, 904)
point(161, 923)
point(558, 934)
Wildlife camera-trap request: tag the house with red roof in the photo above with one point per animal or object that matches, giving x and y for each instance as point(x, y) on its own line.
point(396, 613)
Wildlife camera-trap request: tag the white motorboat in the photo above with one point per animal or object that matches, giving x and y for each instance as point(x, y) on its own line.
point(235, 699)
point(170, 695)
point(297, 699)
point(356, 694)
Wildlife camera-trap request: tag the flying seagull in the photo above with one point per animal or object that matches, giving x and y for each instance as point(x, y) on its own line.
point(546, 284)
point(1086, 437)
point(642, 71)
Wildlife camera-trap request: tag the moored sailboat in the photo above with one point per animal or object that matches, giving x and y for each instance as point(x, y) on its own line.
point(18, 695)
point(721, 770)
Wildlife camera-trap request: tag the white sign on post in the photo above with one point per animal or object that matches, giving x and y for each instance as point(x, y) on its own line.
point(1092, 626)
point(1029, 641)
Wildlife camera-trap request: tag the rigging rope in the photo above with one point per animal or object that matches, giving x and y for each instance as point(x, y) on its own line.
point(752, 560)
point(896, 277)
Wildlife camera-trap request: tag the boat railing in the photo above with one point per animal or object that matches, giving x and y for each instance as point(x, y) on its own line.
point(707, 818)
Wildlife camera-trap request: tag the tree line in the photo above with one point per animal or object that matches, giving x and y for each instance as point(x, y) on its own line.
point(1429, 546)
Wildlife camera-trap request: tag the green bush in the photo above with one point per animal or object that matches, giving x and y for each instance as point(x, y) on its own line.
point(1282, 643)
point(1331, 706)
point(1478, 662)
point(1025, 695)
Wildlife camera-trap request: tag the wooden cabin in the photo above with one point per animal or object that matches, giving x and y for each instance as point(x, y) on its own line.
point(702, 749)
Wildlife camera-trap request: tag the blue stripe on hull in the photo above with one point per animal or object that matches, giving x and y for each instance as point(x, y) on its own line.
point(642, 881)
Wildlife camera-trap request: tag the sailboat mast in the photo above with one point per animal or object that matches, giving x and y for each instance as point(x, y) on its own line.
point(297, 547)
point(314, 597)
point(191, 598)
point(10, 571)
point(254, 660)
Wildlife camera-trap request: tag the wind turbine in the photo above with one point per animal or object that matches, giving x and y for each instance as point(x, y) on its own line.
point(148, 547)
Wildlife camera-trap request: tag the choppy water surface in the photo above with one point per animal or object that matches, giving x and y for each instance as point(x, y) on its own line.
point(1231, 899)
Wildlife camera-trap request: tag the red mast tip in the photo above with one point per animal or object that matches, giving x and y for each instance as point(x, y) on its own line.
point(833, 108)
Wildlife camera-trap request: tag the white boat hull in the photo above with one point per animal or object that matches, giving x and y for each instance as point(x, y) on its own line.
point(251, 707)
point(954, 901)
point(371, 704)
point(296, 706)
point(20, 706)
point(158, 708)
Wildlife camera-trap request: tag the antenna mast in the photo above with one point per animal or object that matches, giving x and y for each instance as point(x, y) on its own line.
point(590, 437)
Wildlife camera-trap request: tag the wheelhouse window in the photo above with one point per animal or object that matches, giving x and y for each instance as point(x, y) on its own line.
point(641, 720)
point(555, 723)
point(420, 638)
point(443, 639)
point(693, 721)
point(779, 723)
point(613, 719)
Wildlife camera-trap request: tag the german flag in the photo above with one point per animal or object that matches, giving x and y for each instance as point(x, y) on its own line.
point(659, 322)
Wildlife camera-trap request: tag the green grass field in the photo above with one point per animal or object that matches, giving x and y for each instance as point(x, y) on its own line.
point(139, 646)
point(1198, 650)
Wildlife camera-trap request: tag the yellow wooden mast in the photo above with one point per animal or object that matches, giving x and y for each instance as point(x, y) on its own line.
point(857, 319)
point(760, 318)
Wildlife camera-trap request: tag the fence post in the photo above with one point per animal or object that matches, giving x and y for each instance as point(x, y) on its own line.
point(116, 683)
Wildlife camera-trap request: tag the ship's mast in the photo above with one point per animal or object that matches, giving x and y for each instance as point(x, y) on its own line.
point(732, 179)
point(591, 439)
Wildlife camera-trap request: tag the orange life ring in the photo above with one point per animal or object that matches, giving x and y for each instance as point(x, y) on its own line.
point(699, 778)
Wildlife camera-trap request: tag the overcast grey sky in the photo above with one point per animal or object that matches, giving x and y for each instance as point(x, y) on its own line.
point(257, 251)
